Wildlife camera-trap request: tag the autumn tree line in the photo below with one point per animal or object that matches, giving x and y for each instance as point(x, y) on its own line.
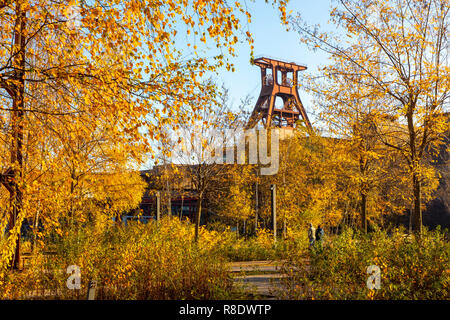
point(90, 90)
point(86, 86)
point(382, 124)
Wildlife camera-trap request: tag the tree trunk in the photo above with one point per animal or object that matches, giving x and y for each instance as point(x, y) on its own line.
point(417, 212)
point(169, 200)
point(17, 117)
point(364, 212)
point(198, 217)
point(414, 164)
point(35, 231)
point(410, 219)
point(72, 191)
point(168, 192)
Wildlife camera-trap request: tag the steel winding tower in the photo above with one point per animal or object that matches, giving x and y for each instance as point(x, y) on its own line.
point(278, 79)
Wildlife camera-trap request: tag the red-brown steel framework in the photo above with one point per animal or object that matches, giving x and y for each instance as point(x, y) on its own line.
point(276, 83)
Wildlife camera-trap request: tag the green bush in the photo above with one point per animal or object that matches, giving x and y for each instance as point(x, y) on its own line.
point(410, 268)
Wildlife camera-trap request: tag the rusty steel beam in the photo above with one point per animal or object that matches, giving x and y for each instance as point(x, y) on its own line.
point(273, 86)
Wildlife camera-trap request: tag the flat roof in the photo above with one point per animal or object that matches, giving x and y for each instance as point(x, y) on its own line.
point(280, 60)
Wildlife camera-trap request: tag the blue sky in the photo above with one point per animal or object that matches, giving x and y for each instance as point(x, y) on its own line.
point(271, 38)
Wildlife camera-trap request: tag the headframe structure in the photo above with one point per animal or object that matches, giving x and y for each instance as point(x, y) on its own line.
point(278, 79)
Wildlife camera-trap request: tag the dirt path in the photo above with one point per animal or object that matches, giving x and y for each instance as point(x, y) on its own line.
point(260, 279)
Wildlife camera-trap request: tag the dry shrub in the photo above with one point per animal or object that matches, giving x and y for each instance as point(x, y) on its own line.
point(139, 261)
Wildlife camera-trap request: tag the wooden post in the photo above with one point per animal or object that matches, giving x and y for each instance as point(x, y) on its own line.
point(256, 206)
point(273, 189)
point(182, 203)
point(91, 290)
point(158, 206)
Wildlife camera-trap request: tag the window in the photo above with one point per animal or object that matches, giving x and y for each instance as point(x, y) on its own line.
point(268, 79)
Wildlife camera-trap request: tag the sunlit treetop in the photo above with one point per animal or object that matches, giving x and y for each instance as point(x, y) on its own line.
point(121, 59)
